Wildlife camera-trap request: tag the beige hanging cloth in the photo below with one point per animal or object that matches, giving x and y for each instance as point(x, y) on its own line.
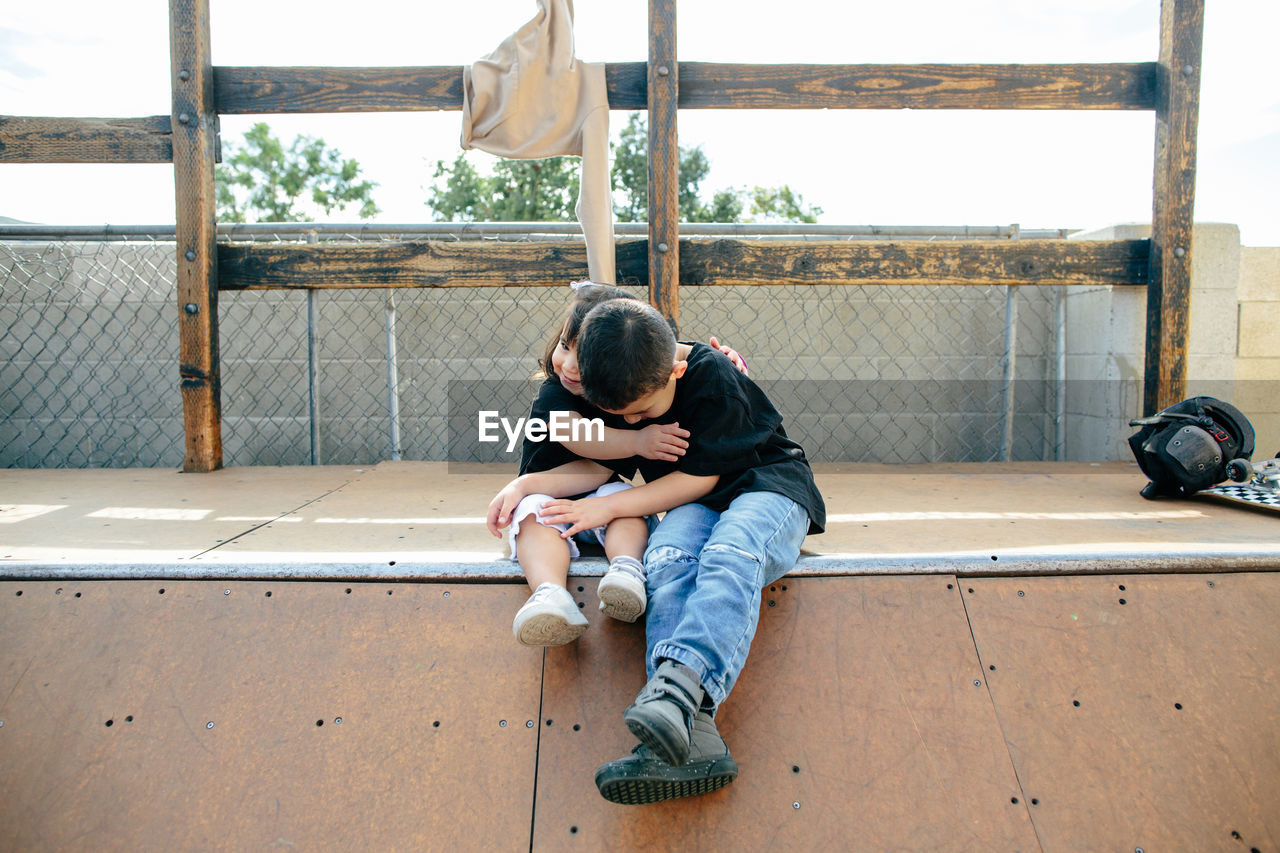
point(531, 99)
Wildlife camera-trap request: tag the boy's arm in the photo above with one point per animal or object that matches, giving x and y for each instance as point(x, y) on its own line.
point(656, 441)
point(572, 478)
point(668, 492)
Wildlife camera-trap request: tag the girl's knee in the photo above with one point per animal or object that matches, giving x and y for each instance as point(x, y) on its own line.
point(628, 525)
point(529, 505)
point(529, 532)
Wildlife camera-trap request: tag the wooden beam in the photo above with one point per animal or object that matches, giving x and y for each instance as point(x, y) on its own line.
point(268, 89)
point(251, 266)
point(243, 90)
point(36, 139)
point(760, 262)
point(936, 87)
point(416, 264)
point(664, 162)
point(194, 154)
point(1173, 203)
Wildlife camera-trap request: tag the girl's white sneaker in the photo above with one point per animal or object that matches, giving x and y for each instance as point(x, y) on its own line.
point(549, 618)
point(622, 590)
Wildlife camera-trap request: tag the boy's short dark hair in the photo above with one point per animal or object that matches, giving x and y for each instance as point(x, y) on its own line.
point(625, 351)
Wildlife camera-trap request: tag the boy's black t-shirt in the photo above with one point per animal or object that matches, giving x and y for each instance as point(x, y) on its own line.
point(736, 433)
point(544, 455)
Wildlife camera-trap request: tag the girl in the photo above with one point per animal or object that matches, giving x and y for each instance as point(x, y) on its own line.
point(551, 470)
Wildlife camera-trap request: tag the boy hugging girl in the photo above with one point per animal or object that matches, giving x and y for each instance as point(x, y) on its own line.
point(738, 497)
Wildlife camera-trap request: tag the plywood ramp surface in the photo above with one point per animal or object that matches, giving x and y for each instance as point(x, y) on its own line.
point(1141, 712)
point(887, 712)
point(198, 716)
point(861, 722)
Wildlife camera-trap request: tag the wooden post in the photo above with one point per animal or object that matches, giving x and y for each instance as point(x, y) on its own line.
point(664, 162)
point(194, 150)
point(1173, 203)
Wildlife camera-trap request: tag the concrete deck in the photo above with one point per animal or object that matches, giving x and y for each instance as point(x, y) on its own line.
point(417, 520)
point(973, 658)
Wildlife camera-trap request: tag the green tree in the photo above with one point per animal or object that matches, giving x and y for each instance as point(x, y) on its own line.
point(631, 187)
point(631, 178)
point(781, 204)
point(631, 173)
point(262, 181)
point(547, 190)
point(517, 191)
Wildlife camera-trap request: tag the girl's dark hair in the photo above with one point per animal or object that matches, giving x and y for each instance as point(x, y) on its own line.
point(587, 296)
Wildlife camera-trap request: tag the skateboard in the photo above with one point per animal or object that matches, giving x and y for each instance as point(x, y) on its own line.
point(1253, 483)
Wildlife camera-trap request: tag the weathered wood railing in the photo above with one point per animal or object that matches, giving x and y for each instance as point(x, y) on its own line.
point(662, 85)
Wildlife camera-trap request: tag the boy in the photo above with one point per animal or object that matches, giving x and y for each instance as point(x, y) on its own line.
point(740, 503)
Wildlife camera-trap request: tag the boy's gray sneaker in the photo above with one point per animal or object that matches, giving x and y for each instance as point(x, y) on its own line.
point(621, 590)
point(549, 618)
point(642, 777)
point(664, 711)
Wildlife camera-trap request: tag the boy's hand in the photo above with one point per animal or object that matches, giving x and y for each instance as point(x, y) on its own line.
point(503, 504)
point(582, 514)
point(662, 441)
point(734, 356)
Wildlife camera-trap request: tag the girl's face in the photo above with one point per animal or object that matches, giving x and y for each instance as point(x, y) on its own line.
point(564, 361)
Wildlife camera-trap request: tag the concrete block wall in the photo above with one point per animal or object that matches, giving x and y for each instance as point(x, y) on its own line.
point(1257, 357)
point(1105, 341)
point(1234, 346)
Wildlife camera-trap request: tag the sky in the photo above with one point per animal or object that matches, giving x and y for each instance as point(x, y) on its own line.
point(1039, 169)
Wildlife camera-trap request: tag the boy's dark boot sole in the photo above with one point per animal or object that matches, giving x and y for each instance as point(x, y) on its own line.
point(637, 781)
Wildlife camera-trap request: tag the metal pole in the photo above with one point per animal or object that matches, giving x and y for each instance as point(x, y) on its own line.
point(1010, 365)
point(313, 366)
point(393, 381)
point(1060, 408)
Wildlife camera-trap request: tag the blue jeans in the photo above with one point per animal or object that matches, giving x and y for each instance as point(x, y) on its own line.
point(705, 572)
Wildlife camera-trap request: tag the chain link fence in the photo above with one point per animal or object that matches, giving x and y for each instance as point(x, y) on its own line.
point(861, 373)
point(88, 355)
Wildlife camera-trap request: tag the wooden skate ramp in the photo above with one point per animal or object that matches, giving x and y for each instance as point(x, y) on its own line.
point(260, 716)
point(861, 722)
point(869, 717)
point(1175, 742)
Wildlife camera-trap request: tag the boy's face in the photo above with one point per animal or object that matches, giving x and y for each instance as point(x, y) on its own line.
point(647, 408)
point(655, 404)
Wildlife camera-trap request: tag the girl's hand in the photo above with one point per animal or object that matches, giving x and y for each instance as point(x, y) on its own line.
point(503, 504)
point(583, 514)
point(734, 356)
point(662, 441)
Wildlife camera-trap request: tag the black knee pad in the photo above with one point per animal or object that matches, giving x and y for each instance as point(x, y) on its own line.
point(1186, 447)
